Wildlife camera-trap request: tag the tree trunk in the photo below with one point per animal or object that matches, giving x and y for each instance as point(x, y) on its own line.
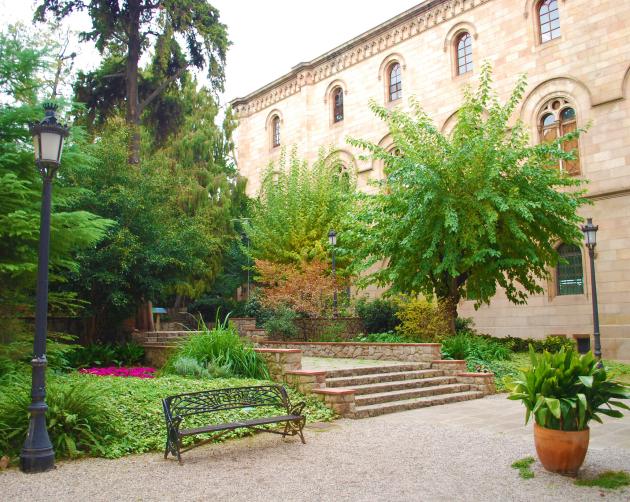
point(449, 307)
point(131, 75)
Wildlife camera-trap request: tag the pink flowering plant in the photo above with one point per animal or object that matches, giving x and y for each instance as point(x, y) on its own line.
point(120, 372)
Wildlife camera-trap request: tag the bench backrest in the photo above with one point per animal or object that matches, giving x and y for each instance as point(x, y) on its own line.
point(209, 401)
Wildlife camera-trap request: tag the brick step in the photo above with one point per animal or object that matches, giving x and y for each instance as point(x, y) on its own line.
point(382, 377)
point(371, 370)
point(374, 410)
point(403, 395)
point(374, 388)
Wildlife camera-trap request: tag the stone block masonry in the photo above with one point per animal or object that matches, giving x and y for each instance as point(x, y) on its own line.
point(370, 391)
point(408, 352)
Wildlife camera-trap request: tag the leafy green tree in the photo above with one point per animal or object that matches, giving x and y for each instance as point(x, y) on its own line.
point(132, 27)
point(460, 214)
point(297, 206)
point(20, 184)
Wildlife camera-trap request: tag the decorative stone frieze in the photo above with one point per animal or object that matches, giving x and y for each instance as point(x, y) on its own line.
point(411, 23)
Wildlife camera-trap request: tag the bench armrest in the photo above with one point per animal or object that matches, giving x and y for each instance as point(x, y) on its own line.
point(297, 409)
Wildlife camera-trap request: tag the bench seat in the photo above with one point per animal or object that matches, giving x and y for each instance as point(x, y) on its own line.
point(255, 422)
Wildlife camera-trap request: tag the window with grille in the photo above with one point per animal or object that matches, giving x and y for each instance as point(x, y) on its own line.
point(464, 54)
point(569, 272)
point(549, 20)
point(558, 118)
point(338, 105)
point(395, 82)
point(276, 131)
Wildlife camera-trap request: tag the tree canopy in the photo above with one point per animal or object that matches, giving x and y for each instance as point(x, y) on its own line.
point(297, 206)
point(20, 184)
point(182, 34)
point(459, 215)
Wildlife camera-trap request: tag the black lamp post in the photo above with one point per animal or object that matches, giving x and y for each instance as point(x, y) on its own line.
point(590, 239)
point(332, 240)
point(37, 453)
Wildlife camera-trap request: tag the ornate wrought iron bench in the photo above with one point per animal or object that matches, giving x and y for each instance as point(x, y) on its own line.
point(177, 408)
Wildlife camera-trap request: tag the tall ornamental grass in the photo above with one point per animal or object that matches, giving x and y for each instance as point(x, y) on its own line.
point(219, 350)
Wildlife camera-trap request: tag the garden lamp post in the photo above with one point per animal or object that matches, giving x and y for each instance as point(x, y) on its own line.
point(590, 238)
point(246, 237)
point(332, 240)
point(37, 453)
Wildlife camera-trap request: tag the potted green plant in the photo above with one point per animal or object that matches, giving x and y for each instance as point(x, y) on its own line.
point(564, 391)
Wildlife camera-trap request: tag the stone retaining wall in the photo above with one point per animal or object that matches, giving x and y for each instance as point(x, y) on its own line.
point(414, 352)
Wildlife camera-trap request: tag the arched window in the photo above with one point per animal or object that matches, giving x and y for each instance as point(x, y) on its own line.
point(338, 105)
point(570, 277)
point(548, 20)
point(464, 53)
point(558, 118)
point(395, 82)
point(275, 131)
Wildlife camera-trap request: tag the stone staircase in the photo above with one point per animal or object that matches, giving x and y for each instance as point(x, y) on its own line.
point(388, 389)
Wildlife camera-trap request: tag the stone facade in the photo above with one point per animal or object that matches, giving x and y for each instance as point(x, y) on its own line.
point(588, 66)
point(414, 352)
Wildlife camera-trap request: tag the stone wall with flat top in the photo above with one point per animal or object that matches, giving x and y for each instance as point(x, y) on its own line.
point(415, 352)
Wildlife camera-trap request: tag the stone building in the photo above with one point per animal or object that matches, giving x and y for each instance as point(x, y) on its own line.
point(576, 54)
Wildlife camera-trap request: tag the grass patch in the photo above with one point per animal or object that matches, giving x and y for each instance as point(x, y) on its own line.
point(611, 480)
point(524, 467)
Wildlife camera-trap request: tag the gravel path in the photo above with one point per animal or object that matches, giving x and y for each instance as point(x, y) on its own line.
point(398, 457)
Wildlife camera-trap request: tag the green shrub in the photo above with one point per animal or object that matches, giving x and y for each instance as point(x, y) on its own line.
point(557, 343)
point(422, 321)
point(281, 324)
point(565, 390)
point(189, 366)
point(383, 338)
point(464, 325)
point(332, 332)
point(551, 344)
point(473, 347)
point(80, 419)
point(254, 308)
point(220, 347)
point(99, 355)
point(379, 315)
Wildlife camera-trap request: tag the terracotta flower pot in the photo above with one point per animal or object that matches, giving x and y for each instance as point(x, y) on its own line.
point(561, 451)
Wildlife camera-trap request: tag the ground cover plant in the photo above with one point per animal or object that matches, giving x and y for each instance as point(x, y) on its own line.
point(111, 417)
point(611, 480)
point(524, 467)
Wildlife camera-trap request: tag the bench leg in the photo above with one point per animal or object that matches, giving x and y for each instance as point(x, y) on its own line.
point(286, 430)
point(300, 427)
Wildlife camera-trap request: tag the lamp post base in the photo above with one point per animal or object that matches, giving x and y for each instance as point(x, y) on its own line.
point(33, 461)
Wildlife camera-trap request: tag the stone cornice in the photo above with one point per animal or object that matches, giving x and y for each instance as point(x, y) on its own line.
point(375, 41)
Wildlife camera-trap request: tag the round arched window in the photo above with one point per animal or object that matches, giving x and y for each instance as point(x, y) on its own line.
point(464, 53)
point(395, 82)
